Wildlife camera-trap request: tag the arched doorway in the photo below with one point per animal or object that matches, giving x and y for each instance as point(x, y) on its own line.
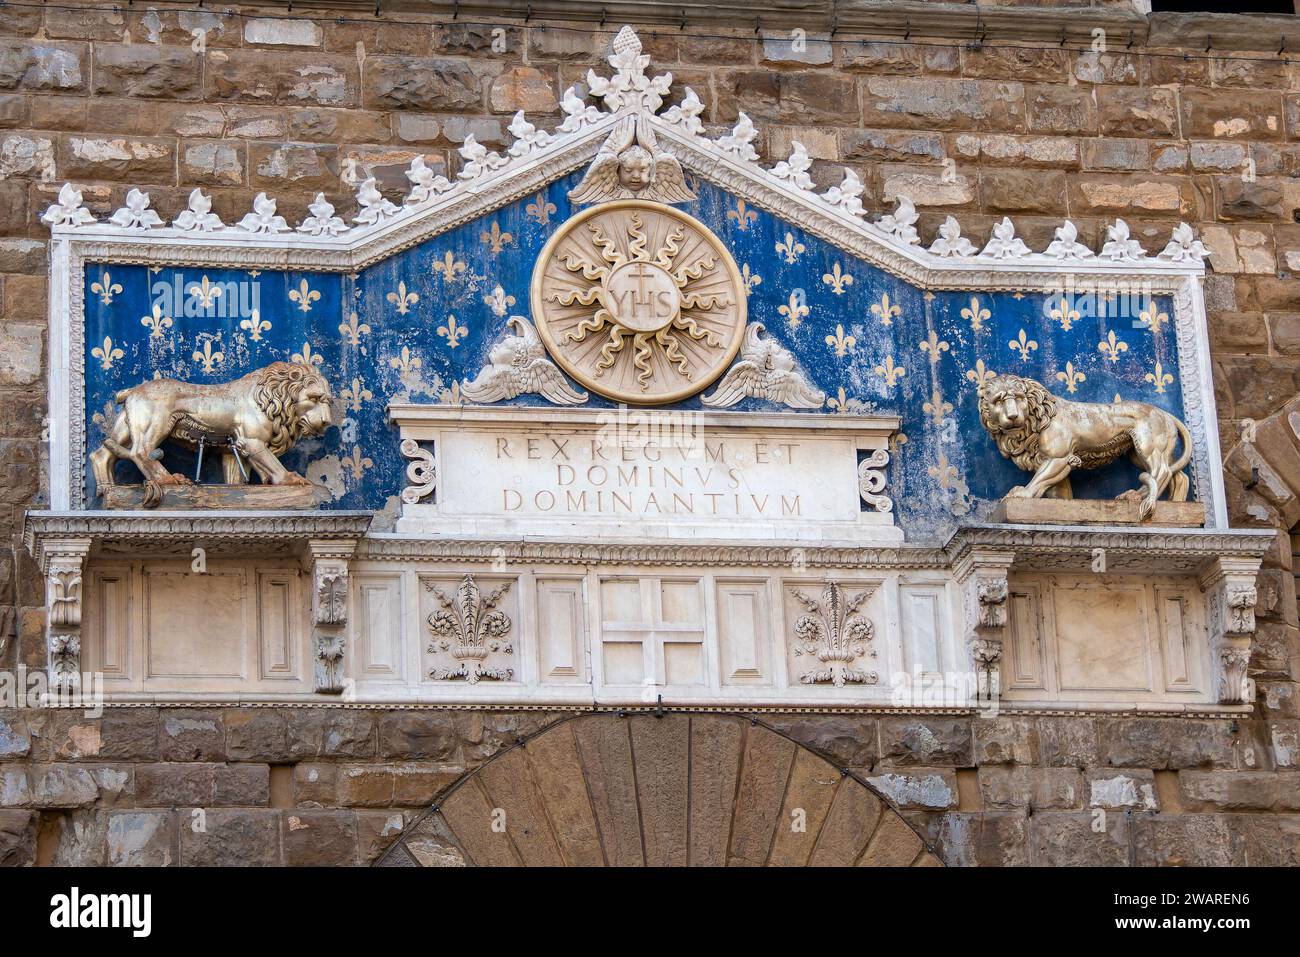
point(646, 788)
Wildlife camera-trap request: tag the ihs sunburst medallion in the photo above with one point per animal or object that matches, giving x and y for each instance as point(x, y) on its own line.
point(639, 302)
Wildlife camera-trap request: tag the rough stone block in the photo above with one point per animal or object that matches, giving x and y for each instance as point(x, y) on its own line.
point(191, 735)
point(926, 741)
point(1069, 839)
point(141, 839)
point(232, 838)
point(17, 838)
point(319, 838)
point(1038, 788)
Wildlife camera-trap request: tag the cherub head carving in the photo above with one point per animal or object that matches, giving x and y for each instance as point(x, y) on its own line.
point(630, 165)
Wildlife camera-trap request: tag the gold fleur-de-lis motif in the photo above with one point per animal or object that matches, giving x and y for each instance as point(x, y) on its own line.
point(750, 279)
point(837, 280)
point(794, 311)
point(307, 357)
point(742, 215)
point(356, 463)
point(1071, 377)
point(498, 301)
point(790, 248)
point(255, 325)
point(1159, 378)
point(937, 409)
point(890, 372)
point(453, 332)
point(1064, 313)
point(304, 296)
point(885, 310)
point(980, 374)
point(539, 210)
point(354, 330)
point(976, 314)
point(934, 346)
point(843, 404)
point(106, 289)
point(402, 299)
point(1024, 345)
point(448, 267)
point(356, 395)
point(450, 396)
point(1151, 317)
point(495, 239)
point(407, 364)
point(156, 322)
point(107, 354)
point(841, 343)
point(946, 475)
point(208, 356)
point(205, 292)
point(1111, 347)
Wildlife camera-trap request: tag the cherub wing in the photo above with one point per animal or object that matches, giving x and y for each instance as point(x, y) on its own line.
point(793, 390)
point(670, 182)
point(742, 381)
point(601, 181)
point(542, 377)
point(492, 384)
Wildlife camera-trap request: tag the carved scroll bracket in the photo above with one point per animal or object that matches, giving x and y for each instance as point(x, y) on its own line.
point(1229, 584)
point(62, 562)
point(329, 571)
point(982, 576)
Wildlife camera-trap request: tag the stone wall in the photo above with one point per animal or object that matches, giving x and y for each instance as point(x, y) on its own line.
point(111, 99)
point(339, 786)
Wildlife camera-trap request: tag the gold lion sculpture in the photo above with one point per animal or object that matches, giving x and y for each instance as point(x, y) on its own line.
point(259, 416)
point(1050, 436)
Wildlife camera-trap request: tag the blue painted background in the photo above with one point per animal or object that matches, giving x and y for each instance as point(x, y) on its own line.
point(409, 346)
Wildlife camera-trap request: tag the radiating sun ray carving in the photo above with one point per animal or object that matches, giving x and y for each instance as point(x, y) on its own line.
point(639, 301)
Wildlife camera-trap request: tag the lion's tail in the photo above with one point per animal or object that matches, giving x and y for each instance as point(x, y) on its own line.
point(1179, 485)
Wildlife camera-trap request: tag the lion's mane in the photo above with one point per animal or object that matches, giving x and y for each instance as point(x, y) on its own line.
point(1019, 445)
point(276, 392)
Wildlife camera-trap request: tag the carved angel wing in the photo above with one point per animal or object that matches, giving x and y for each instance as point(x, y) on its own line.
point(543, 378)
point(757, 376)
point(670, 182)
point(790, 388)
point(492, 384)
point(529, 370)
point(601, 181)
point(742, 380)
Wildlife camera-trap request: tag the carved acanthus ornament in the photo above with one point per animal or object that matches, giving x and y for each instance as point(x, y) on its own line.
point(469, 627)
point(329, 570)
point(63, 562)
point(1229, 584)
point(837, 634)
point(982, 577)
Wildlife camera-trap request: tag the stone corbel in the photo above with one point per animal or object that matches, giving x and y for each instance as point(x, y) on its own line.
point(62, 562)
point(1229, 584)
point(329, 571)
point(982, 576)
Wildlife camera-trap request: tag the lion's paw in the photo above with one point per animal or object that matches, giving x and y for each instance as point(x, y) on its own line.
point(1018, 492)
point(1132, 495)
